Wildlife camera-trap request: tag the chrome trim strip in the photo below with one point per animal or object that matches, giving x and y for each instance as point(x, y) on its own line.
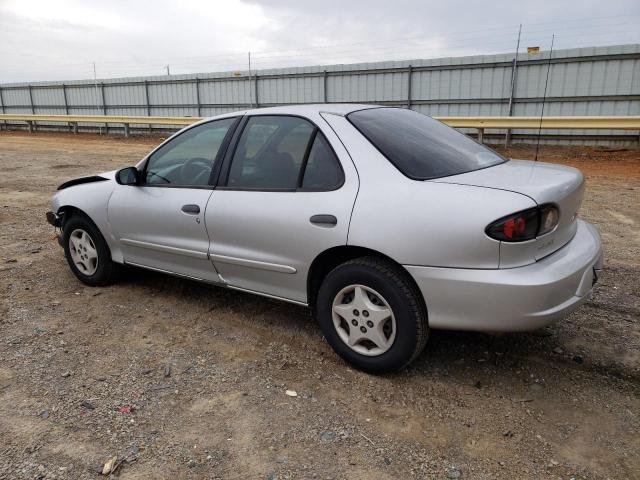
point(164, 248)
point(243, 262)
point(168, 272)
point(288, 300)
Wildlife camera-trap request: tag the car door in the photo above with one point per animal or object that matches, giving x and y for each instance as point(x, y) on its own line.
point(285, 195)
point(160, 222)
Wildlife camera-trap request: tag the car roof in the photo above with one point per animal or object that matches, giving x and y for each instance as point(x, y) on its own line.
point(304, 110)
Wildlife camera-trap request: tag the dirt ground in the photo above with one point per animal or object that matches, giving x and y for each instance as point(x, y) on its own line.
point(183, 380)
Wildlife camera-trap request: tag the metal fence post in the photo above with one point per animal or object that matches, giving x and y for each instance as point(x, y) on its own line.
point(198, 95)
point(324, 87)
point(31, 100)
point(409, 75)
point(32, 125)
point(66, 104)
point(146, 100)
point(4, 122)
point(255, 85)
point(104, 108)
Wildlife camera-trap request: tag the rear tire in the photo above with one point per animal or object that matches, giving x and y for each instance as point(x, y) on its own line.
point(372, 314)
point(87, 252)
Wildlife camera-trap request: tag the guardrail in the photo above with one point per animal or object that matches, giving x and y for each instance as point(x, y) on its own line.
point(479, 123)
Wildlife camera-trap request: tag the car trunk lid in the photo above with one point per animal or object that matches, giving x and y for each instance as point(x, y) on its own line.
point(543, 183)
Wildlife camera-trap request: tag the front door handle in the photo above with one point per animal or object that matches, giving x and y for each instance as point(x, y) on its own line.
point(324, 220)
point(191, 209)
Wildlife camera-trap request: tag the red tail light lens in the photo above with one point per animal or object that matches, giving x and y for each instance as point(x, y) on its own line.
point(518, 227)
point(525, 225)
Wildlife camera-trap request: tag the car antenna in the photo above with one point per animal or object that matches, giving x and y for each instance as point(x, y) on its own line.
point(544, 97)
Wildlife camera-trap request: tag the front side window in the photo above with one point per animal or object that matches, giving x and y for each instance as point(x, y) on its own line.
point(419, 146)
point(188, 159)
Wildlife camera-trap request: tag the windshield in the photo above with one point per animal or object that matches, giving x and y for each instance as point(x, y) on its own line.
point(419, 146)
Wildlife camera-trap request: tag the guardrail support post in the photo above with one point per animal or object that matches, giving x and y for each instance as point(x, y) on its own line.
point(74, 127)
point(30, 123)
point(481, 135)
point(127, 133)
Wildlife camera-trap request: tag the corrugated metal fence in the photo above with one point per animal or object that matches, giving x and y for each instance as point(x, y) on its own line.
point(585, 81)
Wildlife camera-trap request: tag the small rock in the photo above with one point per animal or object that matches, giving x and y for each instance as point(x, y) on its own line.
point(291, 393)
point(192, 463)
point(558, 350)
point(147, 371)
point(44, 414)
point(109, 465)
point(578, 359)
point(453, 473)
point(86, 404)
point(272, 476)
point(167, 371)
point(66, 374)
point(327, 436)
point(386, 461)
point(11, 260)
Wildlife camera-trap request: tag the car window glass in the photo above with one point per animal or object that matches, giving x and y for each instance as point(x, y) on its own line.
point(270, 152)
point(323, 169)
point(419, 146)
point(188, 159)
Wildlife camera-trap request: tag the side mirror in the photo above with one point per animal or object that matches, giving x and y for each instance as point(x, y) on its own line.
point(128, 176)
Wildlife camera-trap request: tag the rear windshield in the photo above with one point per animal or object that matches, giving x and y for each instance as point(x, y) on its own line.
point(419, 146)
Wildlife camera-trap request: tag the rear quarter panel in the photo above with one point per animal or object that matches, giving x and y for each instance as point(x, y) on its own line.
point(422, 222)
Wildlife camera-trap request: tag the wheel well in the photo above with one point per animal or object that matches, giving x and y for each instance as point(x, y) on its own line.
point(331, 258)
point(68, 211)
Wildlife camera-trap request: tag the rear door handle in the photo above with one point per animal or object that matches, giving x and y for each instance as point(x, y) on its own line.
point(324, 220)
point(191, 209)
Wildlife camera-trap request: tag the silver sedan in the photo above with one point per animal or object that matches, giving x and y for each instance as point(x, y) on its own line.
point(383, 221)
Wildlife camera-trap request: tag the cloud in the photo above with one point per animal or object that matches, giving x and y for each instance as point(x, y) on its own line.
point(47, 40)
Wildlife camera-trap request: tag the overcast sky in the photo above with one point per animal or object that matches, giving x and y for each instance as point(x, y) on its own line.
point(60, 39)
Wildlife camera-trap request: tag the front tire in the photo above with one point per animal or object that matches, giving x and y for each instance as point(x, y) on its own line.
point(372, 314)
point(87, 252)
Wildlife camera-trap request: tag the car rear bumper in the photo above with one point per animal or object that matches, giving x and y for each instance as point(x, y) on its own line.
point(514, 299)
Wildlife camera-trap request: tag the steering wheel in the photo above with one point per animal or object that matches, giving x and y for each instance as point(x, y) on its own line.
point(193, 169)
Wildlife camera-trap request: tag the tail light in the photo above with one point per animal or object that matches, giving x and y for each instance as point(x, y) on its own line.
point(525, 225)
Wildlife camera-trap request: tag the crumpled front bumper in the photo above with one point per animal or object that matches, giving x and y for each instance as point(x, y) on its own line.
point(514, 299)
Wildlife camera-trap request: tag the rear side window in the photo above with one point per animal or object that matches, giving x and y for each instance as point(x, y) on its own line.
point(283, 153)
point(270, 153)
point(323, 170)
point(419, 146)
